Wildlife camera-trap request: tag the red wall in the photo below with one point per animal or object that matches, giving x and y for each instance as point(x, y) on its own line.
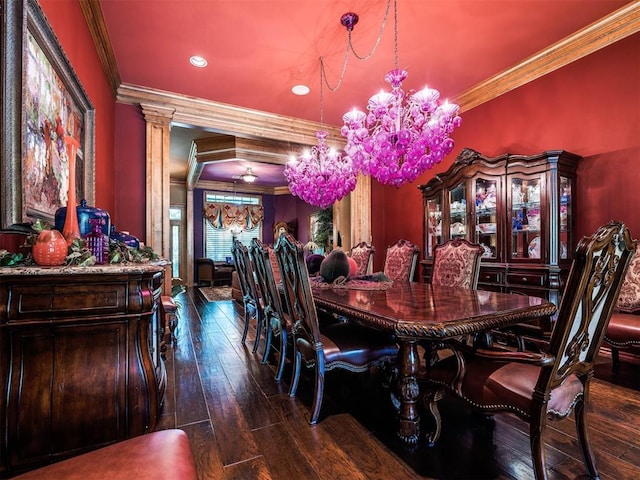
point(590, 107)
point(69, 25)
point(130, 171)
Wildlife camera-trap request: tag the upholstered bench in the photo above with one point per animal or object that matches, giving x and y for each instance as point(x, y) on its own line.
point(623, 331)
point(165, 454)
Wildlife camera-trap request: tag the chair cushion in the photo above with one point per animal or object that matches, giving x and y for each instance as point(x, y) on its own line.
point(624, 329)
point(168, 304)
point(495, 384)
point(348, 344)
point(629, 299)
point(165, 454)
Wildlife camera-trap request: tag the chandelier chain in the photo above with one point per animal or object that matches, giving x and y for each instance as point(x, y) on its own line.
point(375, 45)
point(323, 73)
point(395, 32)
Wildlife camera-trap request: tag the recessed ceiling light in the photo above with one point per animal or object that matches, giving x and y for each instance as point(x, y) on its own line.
point(198, 61)
point(300, 89)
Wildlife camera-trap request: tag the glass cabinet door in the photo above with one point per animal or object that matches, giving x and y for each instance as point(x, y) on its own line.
point(458, 211)
point(526, 238)
point(566, 217)
point(486, 217)
point(433, 224)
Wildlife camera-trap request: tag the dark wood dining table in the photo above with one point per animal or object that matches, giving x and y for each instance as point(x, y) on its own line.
point(417, 312)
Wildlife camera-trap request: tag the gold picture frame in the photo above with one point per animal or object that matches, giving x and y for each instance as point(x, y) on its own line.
point(43, 97)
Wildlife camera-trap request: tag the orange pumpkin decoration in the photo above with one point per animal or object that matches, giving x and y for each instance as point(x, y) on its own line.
point(50, 248)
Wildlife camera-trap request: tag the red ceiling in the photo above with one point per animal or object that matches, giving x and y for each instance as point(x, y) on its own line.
point(258, 49)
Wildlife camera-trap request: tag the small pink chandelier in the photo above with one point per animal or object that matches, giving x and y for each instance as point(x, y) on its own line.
point(403, 135)
point(320, 176)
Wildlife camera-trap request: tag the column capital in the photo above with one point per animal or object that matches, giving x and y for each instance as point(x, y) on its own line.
point(157, 113)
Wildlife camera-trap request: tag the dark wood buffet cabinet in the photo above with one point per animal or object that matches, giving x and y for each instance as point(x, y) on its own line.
point(79, 359)
point(521, 209)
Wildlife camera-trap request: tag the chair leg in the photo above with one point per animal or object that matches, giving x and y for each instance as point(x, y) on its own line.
point(246, 324)
point(536, 427)
point(259, 327)
point(295, 376)
point(615, 359)
point(268, 334)
point(582, 430)
point(318, 392)
point(283, 353)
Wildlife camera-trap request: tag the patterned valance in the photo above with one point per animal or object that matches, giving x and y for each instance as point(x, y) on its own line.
point(227, 215)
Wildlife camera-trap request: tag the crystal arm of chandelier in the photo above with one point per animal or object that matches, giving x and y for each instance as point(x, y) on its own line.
point(401, 136)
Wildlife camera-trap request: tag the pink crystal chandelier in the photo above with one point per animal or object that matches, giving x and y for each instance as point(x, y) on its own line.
point(321, 175)
point(402, 135)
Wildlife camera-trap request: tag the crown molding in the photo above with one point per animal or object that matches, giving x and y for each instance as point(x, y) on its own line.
point(228, 119)
point(602, 33)
point(98, 29)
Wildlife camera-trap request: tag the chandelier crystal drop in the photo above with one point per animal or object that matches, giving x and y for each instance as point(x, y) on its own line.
point(320, 176)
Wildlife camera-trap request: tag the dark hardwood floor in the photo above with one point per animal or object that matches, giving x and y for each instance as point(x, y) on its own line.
point(243, 425)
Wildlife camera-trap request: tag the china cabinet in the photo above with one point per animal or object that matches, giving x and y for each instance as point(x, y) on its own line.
point(79, 359)
point(520, 209)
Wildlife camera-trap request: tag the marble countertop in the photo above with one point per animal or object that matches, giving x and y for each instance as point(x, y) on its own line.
point(113, 268)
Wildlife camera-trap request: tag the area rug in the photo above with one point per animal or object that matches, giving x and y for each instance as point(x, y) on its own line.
point(216, 294)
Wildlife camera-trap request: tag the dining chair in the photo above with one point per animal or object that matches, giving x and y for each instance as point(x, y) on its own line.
point(362, 253)
point(277, 323)
point(400, 260)
point(456, 263)
point(553, 383)
point(348, 346)
point(623, 331)
point(250, 297)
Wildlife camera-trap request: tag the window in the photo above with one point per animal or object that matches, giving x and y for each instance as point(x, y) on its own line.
point(218, 242)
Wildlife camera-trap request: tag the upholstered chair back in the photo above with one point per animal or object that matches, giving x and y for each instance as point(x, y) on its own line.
point(363, 255)
point(456, 263)
point(401, 260)
point(629, 299)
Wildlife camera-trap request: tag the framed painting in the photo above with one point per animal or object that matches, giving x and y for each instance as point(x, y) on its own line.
point(44, 103)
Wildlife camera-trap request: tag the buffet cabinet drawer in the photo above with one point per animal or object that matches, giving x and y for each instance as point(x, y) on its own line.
point(533, 279)
point(29, 302)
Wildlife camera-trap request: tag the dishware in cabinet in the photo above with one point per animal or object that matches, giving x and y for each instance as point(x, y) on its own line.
point(526, 207)
point(485, 214)
point(458, 211)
